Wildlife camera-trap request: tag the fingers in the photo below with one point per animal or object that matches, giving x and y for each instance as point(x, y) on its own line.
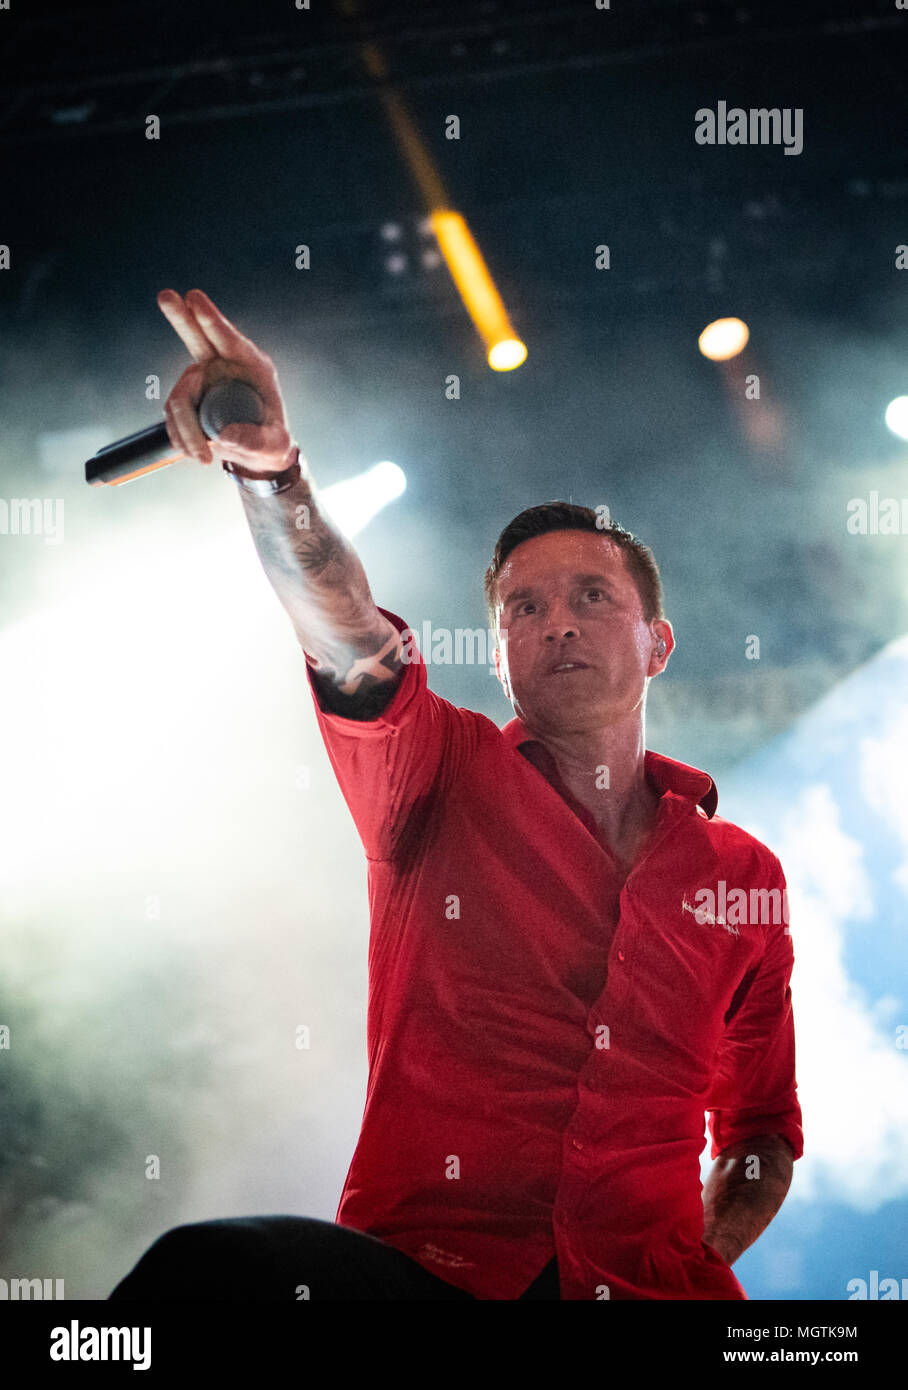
point(219, 332)
point(183, 426)
point(180, 441)
point(182, 318)
point(261, 448)
point(220, 351)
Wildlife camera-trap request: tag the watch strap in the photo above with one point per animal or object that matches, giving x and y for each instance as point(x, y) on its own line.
point(266, 484)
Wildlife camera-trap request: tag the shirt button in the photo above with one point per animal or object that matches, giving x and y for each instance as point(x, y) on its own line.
point(576, 1143)
point(621, 955)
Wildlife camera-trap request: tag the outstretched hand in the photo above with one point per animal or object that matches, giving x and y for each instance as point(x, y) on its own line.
point(221, 351)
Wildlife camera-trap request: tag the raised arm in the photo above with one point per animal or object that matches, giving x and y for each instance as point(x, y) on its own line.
point(353, 648)
point(314, 570)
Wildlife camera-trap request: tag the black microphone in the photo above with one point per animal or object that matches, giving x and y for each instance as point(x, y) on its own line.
point(231, 402)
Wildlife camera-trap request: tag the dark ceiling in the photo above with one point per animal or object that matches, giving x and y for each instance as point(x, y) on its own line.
point(576, 127)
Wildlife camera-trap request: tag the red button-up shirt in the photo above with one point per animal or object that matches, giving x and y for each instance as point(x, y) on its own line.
point(544, 1038)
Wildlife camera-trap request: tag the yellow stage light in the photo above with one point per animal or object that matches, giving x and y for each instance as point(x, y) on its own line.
point(506, 355)
point(477, 290)
point(723, 338)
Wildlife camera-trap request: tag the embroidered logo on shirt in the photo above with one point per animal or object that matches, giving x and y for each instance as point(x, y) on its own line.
point(704, 916)
point(731, 907)
point(444, 1257)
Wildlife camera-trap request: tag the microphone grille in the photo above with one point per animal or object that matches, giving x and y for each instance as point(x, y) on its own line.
point(230, 403)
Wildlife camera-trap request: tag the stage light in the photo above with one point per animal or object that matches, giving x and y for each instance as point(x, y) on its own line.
point(477, 290)
point(897, 416)
point(455, 240)
point(353, 503)
point(723, 338)
point(506, 355)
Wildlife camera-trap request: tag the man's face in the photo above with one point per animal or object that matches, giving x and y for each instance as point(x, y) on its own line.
point(567, 597)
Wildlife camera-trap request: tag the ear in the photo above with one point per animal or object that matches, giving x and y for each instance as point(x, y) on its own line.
point(663, 646)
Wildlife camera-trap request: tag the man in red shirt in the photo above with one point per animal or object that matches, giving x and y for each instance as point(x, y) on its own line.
point(572, 958)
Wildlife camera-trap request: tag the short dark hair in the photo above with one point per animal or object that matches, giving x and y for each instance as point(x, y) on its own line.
point(567, 516)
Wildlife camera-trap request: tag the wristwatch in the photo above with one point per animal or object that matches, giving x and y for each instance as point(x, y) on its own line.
point(266, 484)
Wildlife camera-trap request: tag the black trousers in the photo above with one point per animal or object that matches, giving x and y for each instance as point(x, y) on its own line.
point(288, 1257)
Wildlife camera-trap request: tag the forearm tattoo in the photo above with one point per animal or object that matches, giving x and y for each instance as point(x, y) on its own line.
point(318, 577)
point(367, 686)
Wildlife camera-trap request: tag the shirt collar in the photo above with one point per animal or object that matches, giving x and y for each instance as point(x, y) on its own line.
point(665, 773)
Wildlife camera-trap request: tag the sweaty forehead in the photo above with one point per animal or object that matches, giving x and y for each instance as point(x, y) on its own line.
point(560, 554)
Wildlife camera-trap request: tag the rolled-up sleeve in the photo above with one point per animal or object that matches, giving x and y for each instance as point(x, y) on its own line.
point(754, 1090)
point(390, 769)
